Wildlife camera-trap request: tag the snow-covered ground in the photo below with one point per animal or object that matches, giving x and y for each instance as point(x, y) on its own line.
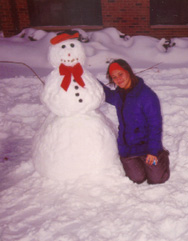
point(33, 208)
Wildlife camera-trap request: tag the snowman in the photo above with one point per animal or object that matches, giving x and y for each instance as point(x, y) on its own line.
point(75, 140)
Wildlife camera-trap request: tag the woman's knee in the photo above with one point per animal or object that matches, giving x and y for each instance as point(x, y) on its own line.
point(134, 169)
point(162, 171)
point(138, 179)
point(159, 179)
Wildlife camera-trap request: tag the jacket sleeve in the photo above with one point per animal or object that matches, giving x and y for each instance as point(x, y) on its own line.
point(153, 116)
point(110, 95)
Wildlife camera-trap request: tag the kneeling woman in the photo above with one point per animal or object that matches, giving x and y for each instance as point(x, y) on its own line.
point(140, 125)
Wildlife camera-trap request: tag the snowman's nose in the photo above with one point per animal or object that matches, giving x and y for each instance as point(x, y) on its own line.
point(69, 55)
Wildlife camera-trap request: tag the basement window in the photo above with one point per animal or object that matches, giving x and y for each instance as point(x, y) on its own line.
point(168, 12)
point(65, 12)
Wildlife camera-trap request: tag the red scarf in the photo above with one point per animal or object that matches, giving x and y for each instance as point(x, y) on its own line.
point(68, 71)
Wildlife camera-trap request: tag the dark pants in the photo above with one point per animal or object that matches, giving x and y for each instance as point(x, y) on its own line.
point(138, 171)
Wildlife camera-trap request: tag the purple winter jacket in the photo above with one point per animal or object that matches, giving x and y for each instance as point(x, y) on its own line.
point(140, 120)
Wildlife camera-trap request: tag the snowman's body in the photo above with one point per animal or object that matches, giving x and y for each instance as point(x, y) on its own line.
point(76, 100)
point(75, 139)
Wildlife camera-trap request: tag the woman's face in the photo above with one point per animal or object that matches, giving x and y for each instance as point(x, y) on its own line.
point(121, 78)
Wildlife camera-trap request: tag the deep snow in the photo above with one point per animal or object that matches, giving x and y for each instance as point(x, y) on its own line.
point(33, 208)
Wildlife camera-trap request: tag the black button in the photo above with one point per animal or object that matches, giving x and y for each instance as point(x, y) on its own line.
point(76, 87)
point(77, 94)
point(74, 80)
point(80, 100)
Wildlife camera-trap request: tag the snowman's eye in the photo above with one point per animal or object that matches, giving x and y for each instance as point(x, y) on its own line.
point(72, 45)
point(63, 46)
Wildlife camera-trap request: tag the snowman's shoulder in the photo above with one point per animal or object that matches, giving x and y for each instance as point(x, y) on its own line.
point(89, 75)
point(90, 79)
point(54, 72)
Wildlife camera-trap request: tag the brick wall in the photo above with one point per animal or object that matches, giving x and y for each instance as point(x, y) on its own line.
point(127, 15)
point(8, 24)
point(23, 14)
point(13, 16)
point(131, 17)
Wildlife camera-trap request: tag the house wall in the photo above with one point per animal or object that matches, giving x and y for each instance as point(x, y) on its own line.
point(23, 13)
point(13, 16)
point(7, 23)
point(131, 17)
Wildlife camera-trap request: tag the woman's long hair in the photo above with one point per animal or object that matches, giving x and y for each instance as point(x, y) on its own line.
point(125, 66)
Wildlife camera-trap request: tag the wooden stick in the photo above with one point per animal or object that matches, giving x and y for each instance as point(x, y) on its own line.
point(13, 62)
point(149, 68)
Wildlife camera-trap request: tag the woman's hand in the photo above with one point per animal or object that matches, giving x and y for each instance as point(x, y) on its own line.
point(151, 160)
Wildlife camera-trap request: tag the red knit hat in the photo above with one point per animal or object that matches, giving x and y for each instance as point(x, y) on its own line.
point(115, 66)
point(62, 37)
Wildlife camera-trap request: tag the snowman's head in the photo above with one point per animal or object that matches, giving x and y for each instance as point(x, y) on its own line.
point(66, 49)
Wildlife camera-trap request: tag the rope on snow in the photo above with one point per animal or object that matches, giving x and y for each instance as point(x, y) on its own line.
point(13, 62)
